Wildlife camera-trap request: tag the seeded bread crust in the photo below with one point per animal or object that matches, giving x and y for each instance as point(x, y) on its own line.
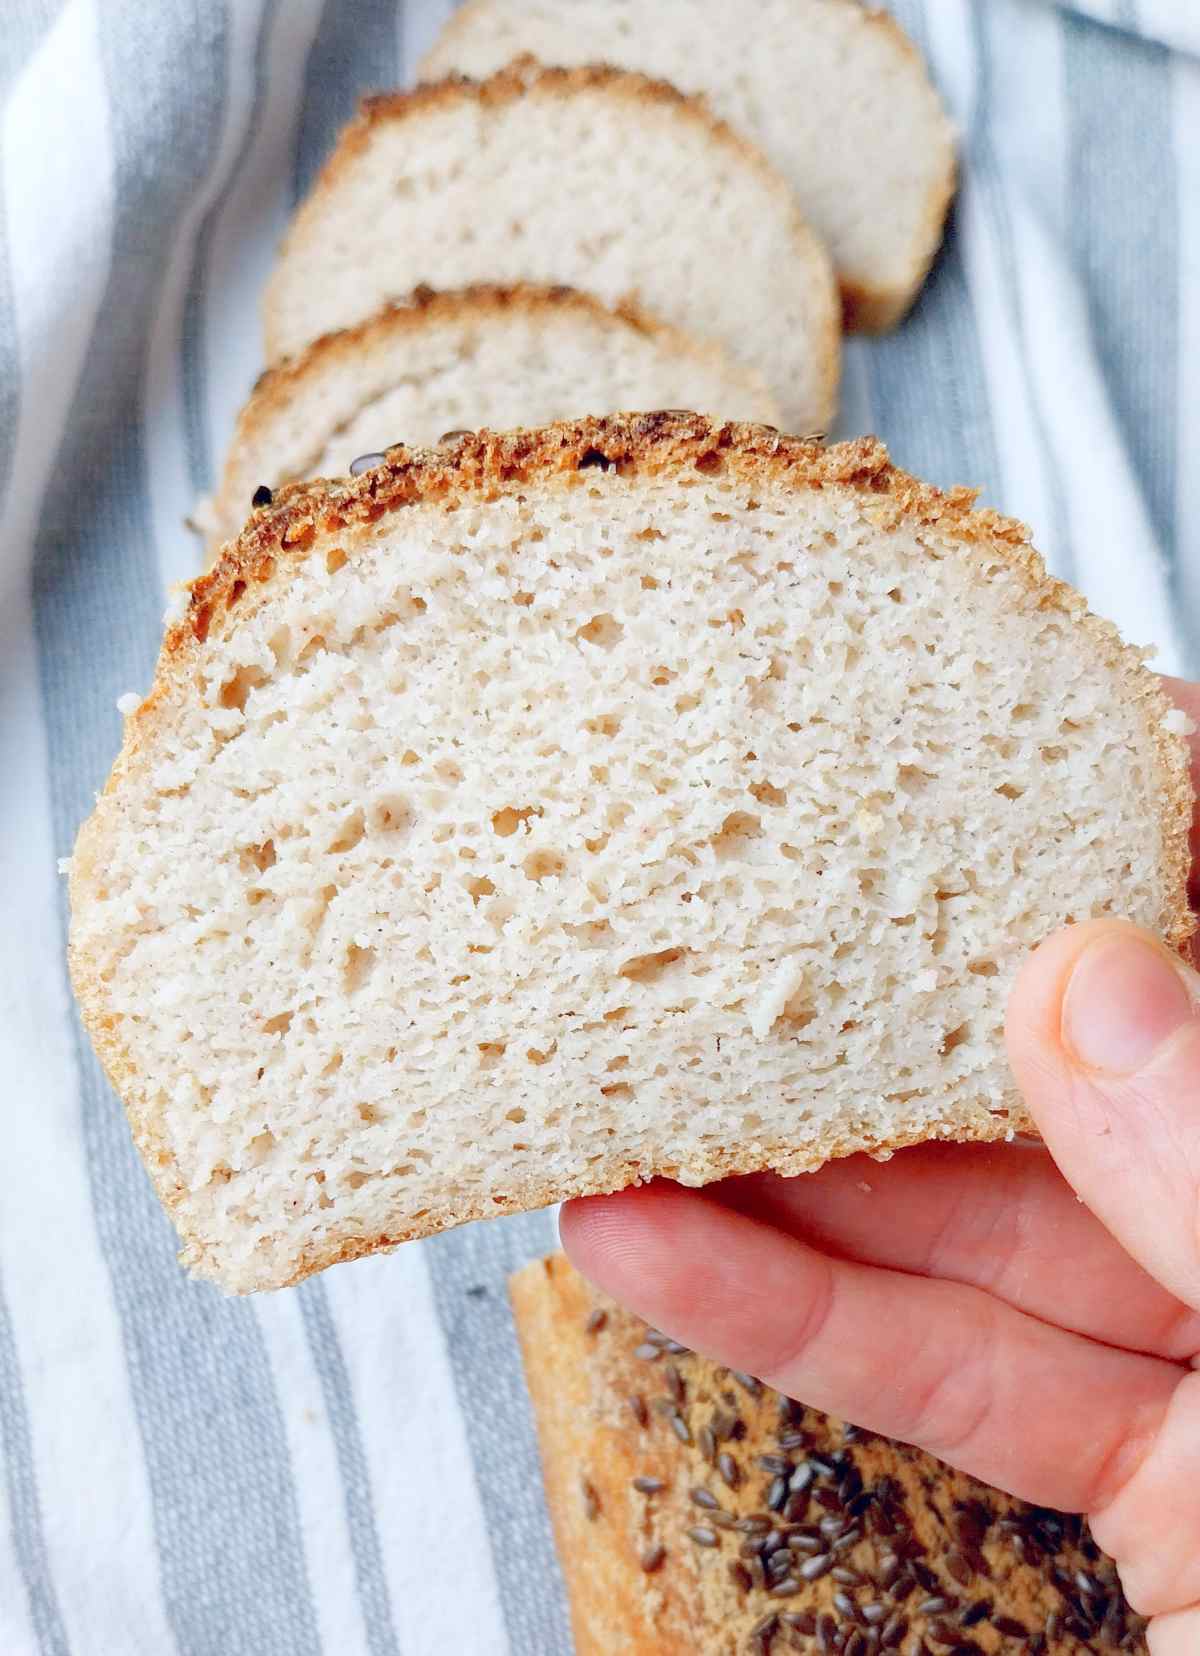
point(276, 389)
point(305, 520)
point(638, 1581)
point(527, 80)
point(866, 308)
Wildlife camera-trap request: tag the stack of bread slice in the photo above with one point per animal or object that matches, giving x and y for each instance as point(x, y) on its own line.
point(719, 191)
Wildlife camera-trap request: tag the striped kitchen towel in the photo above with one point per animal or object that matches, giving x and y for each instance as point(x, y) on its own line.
point(349, 1467)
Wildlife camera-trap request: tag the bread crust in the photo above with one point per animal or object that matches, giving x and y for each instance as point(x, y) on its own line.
point(526, 79)
point(866, 308)
point(581, 1377)
point(428, 307)
point(484, 464)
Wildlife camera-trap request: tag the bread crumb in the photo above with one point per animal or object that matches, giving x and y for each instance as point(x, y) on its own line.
point(865, 1187)
point(128, 703)
point(788, 979)
point(1178, 723)
point(178, 600)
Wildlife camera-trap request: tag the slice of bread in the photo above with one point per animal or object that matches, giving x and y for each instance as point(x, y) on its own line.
point(834, 93)
point(652, 1456)
point(484, 356)
point(553, 810)
point(590, 177)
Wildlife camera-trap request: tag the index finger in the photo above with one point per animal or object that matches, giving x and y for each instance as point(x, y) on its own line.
point(1049, 1415)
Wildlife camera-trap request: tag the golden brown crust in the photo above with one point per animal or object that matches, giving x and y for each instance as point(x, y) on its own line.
point(275, 388)
point(485, 464)
point(866, 308)
point(954, 1541)
point(528, 79)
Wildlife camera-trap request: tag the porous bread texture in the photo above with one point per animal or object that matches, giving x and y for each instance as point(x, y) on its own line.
point(484, 356)
point(560, 809)
point(835, 94)
point(936, 1560)
point(590, 177)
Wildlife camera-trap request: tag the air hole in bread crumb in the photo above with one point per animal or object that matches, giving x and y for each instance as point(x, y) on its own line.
point(390, 814)
point(663, 675)
point(369, 1114)
point(350, 833)
point(619, 1090)
point(768, 794)
point(737, 828)
point(604, 724)
point(517, 1115)
point(491, 1052)
point(648, 968)
point(333, 1066)
point(358, 966)
point(603, 631)
point(1051, 755)
point(506, 821)
point(261, 1145)
point(537, 1057)
point(1010, 790)
point(480, 887)
point(279, 1024)
point(1022, 712)
point(543, 865)
point(523, 599)
point(411, 758)
point(616, 1013)
point(983, 968)
point(355, 1181)
point(591, 933)
point(260, 857)
point(955, 1038)
point(596, 845)
point(685, 704)
point(335, 559)
point(236, 690)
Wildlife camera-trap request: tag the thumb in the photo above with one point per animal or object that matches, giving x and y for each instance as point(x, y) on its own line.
point(1104, 1039)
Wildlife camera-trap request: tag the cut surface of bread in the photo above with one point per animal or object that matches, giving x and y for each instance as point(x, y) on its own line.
point(594, 178)
point(486, 356)
point(832, 92)
point(696, 1510)
point(562, 808)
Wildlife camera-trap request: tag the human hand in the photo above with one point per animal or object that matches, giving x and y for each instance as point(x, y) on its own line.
point(1029, 1315)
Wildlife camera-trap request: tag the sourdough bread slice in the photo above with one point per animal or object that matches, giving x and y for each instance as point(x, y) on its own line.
point(485, 356)
point(553, 810)
point(834, 93)
point(869, 1535)
point(589, 177)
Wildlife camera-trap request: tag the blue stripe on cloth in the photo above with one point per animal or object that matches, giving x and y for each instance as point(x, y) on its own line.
point(983, 160)
point(230, 1553)
point(323, 1342)
point(29, 1540)
point(469, 1270)
point(1124, 223)
point(194, 361)
point(928, 384)
point(355, 50)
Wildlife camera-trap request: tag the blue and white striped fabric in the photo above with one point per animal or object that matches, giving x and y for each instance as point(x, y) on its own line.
point(350, 1466)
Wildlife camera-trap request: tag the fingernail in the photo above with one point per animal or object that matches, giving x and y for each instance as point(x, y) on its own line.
point(1124, 1000)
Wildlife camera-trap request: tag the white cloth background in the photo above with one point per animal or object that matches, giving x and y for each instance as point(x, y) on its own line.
point(349, 1467)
